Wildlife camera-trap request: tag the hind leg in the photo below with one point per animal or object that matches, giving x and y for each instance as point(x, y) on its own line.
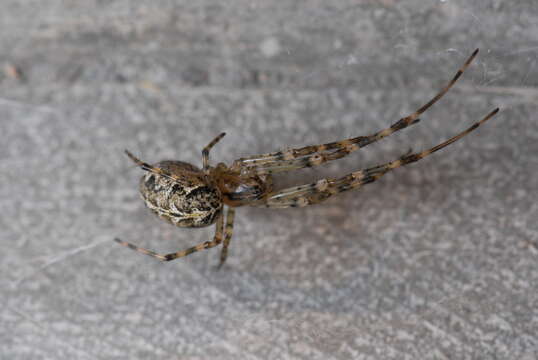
point(172, 256)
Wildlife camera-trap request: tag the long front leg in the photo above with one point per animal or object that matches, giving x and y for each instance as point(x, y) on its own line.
point(168, 257)
point(315, 155)
point(313, 193)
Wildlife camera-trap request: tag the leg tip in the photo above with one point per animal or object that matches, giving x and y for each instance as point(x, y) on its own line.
point(130, 155)
point(220, 265)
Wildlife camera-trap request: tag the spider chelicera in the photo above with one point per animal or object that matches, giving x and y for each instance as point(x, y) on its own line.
point(187, 196)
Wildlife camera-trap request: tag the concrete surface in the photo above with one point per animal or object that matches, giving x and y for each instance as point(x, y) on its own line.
point(435, 261)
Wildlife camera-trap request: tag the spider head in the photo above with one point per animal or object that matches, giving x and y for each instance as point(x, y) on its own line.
point(190, 199)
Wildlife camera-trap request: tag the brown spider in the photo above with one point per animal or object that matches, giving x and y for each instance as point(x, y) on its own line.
point(186, 196)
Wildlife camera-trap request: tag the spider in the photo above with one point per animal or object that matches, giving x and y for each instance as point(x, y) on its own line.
point(187, 196)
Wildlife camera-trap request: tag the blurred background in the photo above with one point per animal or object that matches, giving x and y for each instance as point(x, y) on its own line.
point(437, 260)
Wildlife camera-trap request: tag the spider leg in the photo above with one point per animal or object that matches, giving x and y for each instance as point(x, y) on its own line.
point(168, 257)
point(315, 155)
point(227, 236)
point(316, 192)
point(158, 171)
point(205, 151)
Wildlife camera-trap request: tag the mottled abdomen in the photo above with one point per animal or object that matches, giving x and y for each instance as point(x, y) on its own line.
point(193, 202)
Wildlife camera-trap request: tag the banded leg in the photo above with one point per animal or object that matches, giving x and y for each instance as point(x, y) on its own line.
point(205, 151)
point(315, 155)
point(316, 192)
point(158, 171)
point(168, 257)
point(227, 236)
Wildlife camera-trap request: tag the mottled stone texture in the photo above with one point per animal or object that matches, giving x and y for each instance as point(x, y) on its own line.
point(438, 260)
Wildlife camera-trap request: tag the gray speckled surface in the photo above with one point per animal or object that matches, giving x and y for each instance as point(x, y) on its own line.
point(435, 261)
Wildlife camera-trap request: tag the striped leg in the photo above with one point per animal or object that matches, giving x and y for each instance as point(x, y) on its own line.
point(227, 236)
point(316, 192)
point(318, 154)
point(168, 257)
point(187, 177)
point(205, 151)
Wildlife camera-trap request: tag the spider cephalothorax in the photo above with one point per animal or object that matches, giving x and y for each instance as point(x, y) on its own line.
point(190, 197)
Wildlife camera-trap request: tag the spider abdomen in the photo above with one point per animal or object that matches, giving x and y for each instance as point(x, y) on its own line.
point(193, 202)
